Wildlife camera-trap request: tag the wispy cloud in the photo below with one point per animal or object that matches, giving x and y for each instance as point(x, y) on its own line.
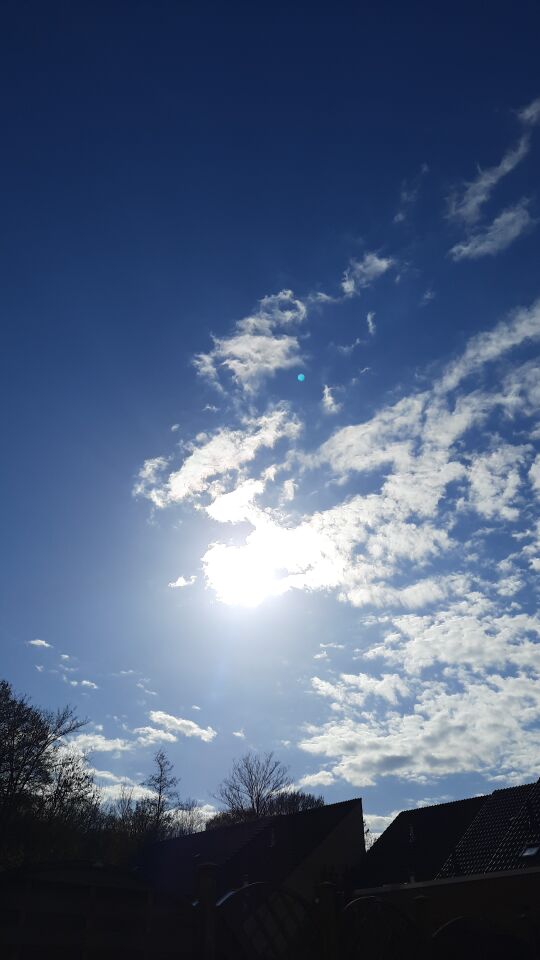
point(530, 115)
point(329, 404)
point(410, 190)
point(370, 319)
point(467, 205)
point(39, 643)
point(218, 455)
point(362, 273)
point(497, 236)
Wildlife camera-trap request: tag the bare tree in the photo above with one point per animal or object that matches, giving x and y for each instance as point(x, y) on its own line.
point(293, 801)
point(251, 785)
point(186, 818)
point(70, 796)
point(163, 785)
point(28, 737)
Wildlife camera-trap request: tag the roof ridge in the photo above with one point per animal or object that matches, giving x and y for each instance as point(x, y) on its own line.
point(446, 803)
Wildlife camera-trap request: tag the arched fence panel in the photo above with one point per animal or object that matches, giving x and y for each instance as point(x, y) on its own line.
point(469, 938)
point(370, 927)
point(263, 922)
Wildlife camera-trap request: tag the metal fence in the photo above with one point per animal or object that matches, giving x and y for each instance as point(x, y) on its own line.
point(95, 913)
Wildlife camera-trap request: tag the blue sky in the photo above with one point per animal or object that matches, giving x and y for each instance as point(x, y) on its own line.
point(201, 202)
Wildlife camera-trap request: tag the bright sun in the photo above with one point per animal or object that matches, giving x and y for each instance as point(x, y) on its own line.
point(244, 576)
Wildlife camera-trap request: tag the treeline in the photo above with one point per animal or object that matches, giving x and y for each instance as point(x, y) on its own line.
point(52, 809)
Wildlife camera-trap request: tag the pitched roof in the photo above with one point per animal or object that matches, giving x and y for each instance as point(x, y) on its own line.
point(417, 842)
point(507, 824)
point(266, 849)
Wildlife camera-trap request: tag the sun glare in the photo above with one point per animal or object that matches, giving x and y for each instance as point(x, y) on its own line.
point(243, 576)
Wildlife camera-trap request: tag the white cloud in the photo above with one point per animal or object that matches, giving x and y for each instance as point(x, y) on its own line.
point(523, 325)
point(427, 297)
point(371, 323)
point(321, 779)
point(435, 739)
point(347, 348)
point(89, 684)
point(467, 205)
point(378, 822)
point(175, 427)
point(97, 743)
point(497, 236)
point(147, 736)
point(240, 734)
point(181, 582)
point(148, 477)
point(362, 273)
point(534, 474)
point(39, 668)
point(39, 643)
point(111, 786)
point(255, 350)
point(328, 402)
point(177, 725)
point(530, 115)
point(495, 480)
point(226, 451)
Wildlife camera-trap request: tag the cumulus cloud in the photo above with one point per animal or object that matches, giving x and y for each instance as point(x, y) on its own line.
point(181, 582)
point(259, 345)
point(178, 725)
point(497, 236)
point(321, 779)
point(435, 740)
point(362, 273)
point(39, 643)
point(148, 736)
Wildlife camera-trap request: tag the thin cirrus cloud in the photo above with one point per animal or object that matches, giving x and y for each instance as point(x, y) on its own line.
point(362, 273)
point(467, 205)
point(497, 236)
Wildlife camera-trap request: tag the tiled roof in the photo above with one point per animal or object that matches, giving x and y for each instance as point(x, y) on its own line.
point(507, 823)
point(417, 842)
point(267, 849)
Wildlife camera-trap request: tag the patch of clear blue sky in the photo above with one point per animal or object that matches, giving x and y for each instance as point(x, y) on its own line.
point(164, 166)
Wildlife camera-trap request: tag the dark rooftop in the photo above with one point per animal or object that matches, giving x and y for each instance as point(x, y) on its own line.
point(417, 842)
point(507, 824)
point(500, 831)
point(267, 849)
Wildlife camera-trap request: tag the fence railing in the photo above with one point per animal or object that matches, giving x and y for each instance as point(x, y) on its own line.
point(92, 913)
